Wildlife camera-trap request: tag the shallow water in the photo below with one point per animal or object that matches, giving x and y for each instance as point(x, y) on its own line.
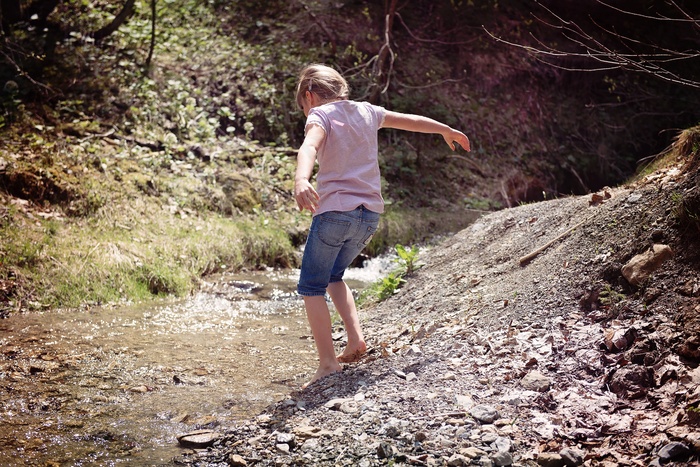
point(115, 386)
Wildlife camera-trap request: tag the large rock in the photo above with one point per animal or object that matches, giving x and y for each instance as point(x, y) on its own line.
point(640, 267)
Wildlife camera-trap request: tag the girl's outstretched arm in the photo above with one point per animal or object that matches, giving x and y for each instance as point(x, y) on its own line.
point(420, 124)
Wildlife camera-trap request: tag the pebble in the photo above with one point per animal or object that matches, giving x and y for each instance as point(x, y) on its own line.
point(572, 457)
point(234, 460)
point(484, 413)
point(536, 381)
point(673, 451)
point(198, 439)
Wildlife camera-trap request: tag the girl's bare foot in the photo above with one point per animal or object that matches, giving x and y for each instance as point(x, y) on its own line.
point(322, 372)
point(351, 355)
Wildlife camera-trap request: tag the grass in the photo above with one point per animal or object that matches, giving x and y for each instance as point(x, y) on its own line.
point(126, 255)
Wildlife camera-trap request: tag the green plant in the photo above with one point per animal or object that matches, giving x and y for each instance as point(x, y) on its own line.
point(609, 296)
point(384, 288)
point(408, 259)
point(389, 285)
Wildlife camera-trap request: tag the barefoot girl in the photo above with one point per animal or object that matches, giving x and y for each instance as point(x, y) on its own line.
point(341, 135)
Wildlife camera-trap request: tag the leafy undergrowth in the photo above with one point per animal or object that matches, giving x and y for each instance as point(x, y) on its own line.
point(120, 183)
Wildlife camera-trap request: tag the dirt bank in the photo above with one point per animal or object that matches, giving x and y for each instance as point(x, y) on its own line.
point(482, 359)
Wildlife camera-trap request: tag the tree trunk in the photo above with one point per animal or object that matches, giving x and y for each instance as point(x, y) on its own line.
point(147, 66)
point(118, 20)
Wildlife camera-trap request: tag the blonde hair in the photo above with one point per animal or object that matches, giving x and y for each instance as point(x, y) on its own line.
point(323, 80)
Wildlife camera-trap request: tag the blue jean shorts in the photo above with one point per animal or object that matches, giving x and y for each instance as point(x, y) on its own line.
point(335, 240)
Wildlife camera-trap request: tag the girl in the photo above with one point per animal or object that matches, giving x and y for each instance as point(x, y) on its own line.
point(342, 135)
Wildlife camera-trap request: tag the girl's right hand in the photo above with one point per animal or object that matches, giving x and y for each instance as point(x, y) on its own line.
point(453, 136)
point(305, 195)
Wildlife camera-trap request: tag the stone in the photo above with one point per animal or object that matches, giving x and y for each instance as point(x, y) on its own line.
point(550, 459)
point(282, 448)
point(385, 450)
point(484, 413)
point(198, 439)
point(287, 438)
point(458, 460)
point(640, 267)
point(234, 460)
point(464, 402)
point(535, 381)
point(502, 458)
point(472, 452)
point(673, 451)
point(572, 457)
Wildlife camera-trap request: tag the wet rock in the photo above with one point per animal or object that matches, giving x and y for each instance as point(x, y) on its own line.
point(198, 439)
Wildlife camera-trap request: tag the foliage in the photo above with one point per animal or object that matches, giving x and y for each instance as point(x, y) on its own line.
point(150, 179)
point(389, 285)
point(407, 261)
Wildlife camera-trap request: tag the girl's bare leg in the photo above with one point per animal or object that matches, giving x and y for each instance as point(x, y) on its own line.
point(320, 322)
point(345, 305)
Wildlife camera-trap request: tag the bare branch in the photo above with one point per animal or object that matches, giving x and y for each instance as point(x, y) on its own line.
point(430, 41)
point(629, 53)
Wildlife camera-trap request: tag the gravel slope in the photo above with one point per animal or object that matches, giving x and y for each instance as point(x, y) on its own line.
point(482, 360)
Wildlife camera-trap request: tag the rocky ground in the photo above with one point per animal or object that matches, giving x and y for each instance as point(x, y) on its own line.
point(585, 353)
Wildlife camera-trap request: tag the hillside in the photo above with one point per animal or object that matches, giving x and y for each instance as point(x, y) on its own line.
point(482, 359)
point(117, 181)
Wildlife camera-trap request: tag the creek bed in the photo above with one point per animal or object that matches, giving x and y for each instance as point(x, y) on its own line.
point(115, 386)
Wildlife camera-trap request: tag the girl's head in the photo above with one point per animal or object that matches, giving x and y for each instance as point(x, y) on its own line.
point(324, 81)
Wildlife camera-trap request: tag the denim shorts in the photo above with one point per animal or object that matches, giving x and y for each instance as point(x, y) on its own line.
point(335, 240)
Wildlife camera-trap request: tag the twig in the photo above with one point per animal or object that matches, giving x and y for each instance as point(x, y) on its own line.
point(87, 257)
point(532, 255)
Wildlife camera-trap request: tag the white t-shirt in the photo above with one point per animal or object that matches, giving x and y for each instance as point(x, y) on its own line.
point(348, 174)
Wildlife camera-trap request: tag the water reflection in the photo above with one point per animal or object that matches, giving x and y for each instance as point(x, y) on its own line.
point(116, 386)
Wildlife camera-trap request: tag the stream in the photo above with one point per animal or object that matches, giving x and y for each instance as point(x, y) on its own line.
point(115, 386)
